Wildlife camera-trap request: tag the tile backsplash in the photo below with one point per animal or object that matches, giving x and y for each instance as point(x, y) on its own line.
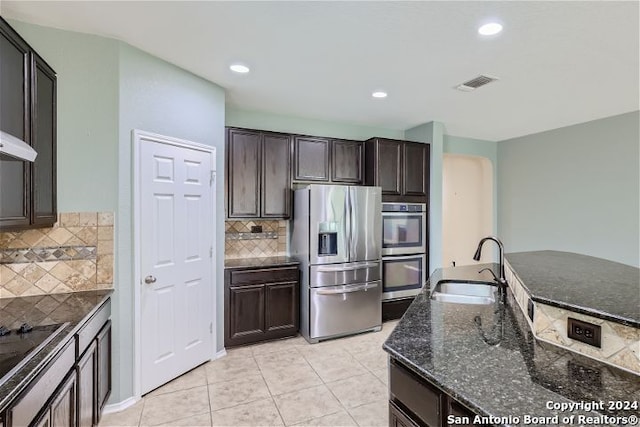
point(76, 254)
point(240, 242)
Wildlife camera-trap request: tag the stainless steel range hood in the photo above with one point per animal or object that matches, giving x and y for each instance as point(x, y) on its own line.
point(15, 147)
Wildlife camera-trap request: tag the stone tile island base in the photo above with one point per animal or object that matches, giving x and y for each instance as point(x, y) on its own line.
point(620, 343)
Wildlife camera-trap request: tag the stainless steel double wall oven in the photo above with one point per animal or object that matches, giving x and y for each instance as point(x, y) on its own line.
point(404, 249)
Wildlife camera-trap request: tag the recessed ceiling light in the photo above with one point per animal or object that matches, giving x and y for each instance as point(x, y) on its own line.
point(490, 29)
point(239, 68)
point(379, 94)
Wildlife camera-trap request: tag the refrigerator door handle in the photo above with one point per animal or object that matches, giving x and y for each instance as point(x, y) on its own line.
point(347, 289)
point(349, 224)
point(359, 266)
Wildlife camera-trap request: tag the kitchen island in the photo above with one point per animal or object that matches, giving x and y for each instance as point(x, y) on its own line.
point(483, 360)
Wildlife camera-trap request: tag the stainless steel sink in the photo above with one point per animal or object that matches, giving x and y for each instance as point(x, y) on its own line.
point(464, 292)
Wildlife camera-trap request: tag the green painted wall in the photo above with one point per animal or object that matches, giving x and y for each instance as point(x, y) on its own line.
point(305, 126)
point(573, 189)
point(87, 69)
point(480, 148)
point(158, 97)
point(105, 89)
point(433, 133)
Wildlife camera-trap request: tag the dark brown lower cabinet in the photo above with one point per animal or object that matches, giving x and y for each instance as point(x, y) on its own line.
point(72, 389)
point(62, 410)
point(416, 402)
point(281, 307)
point(261, 304)
point(63, 407)
point(87, 387)
point(246, 313)
point(103, 371)
point(397, 418)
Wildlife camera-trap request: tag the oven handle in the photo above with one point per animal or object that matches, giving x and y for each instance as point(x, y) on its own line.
point(347, 289)
point(402, 257)
point(338, 269)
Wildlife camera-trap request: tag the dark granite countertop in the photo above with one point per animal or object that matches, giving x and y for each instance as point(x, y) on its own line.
point(581, 283)
point(498, 369)
point(273, 261)
point(74, 308)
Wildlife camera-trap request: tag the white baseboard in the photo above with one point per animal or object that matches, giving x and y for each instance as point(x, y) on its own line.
point(120, 406)
point(221, 353)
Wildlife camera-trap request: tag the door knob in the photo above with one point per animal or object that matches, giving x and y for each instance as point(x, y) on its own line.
point(149, 279)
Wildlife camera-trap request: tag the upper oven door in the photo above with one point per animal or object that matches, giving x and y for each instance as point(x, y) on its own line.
point(404, 233)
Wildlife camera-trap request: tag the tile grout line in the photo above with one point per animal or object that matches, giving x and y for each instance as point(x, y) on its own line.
point(346, 410)
point(268, 389)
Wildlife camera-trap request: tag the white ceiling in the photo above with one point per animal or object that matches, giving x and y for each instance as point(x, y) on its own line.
point(559, 63)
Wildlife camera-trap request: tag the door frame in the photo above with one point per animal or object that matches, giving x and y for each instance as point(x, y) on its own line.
point(138, 136)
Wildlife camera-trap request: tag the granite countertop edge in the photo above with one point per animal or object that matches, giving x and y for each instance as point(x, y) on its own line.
point(47, 354)
point(589, 311)
point(257, 262)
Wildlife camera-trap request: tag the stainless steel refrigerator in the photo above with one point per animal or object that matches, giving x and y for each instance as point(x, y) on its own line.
point(337, 240)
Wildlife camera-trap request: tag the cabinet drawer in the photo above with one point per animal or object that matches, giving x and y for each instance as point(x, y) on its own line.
point(422, 399)
point(42, 389)
point(92, 327)
point(266, 275)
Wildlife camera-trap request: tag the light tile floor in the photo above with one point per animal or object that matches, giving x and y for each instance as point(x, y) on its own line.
point(289, 382)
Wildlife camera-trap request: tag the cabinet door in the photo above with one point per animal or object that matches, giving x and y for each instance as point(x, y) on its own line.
point(14, 119)
point(397, 418)
point(281, 307)
point(43, 90)
point(416, 169)
point(389, 164)
point(103, 371)
point(44, 421)
point(346, 161)
point(63, 407)
point(87, 387)
point(245, 314)
point(311, 158)
point(276, 175)
point(243, 173)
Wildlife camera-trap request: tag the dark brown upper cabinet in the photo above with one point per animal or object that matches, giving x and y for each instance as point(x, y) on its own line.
point(346, 161)
point(327, 160)
point(311, 159)
point(258, 174)
point(27, 111)
point(401, 168)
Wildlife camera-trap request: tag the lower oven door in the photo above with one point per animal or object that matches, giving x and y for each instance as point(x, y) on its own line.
point(403, 276)
point(341, 310)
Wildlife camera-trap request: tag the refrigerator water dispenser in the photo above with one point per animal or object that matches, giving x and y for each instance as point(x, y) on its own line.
point(328, 243)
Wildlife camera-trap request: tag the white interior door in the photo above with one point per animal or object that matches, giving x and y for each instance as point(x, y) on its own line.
point(467, 186)
point(176, 226)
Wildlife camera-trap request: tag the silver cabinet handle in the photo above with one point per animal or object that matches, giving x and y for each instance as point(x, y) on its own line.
point(149, 279)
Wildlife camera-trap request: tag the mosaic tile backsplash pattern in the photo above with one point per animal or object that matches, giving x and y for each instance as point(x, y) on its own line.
point(74, 255)
point(241, 243)
point(620, 343)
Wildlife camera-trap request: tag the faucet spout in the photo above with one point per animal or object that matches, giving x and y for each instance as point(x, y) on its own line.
point(502, 281)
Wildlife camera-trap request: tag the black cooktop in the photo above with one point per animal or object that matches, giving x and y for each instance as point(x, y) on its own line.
point(18, 345)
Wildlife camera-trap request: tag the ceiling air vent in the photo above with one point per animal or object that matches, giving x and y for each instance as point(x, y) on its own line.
point(475, 83)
